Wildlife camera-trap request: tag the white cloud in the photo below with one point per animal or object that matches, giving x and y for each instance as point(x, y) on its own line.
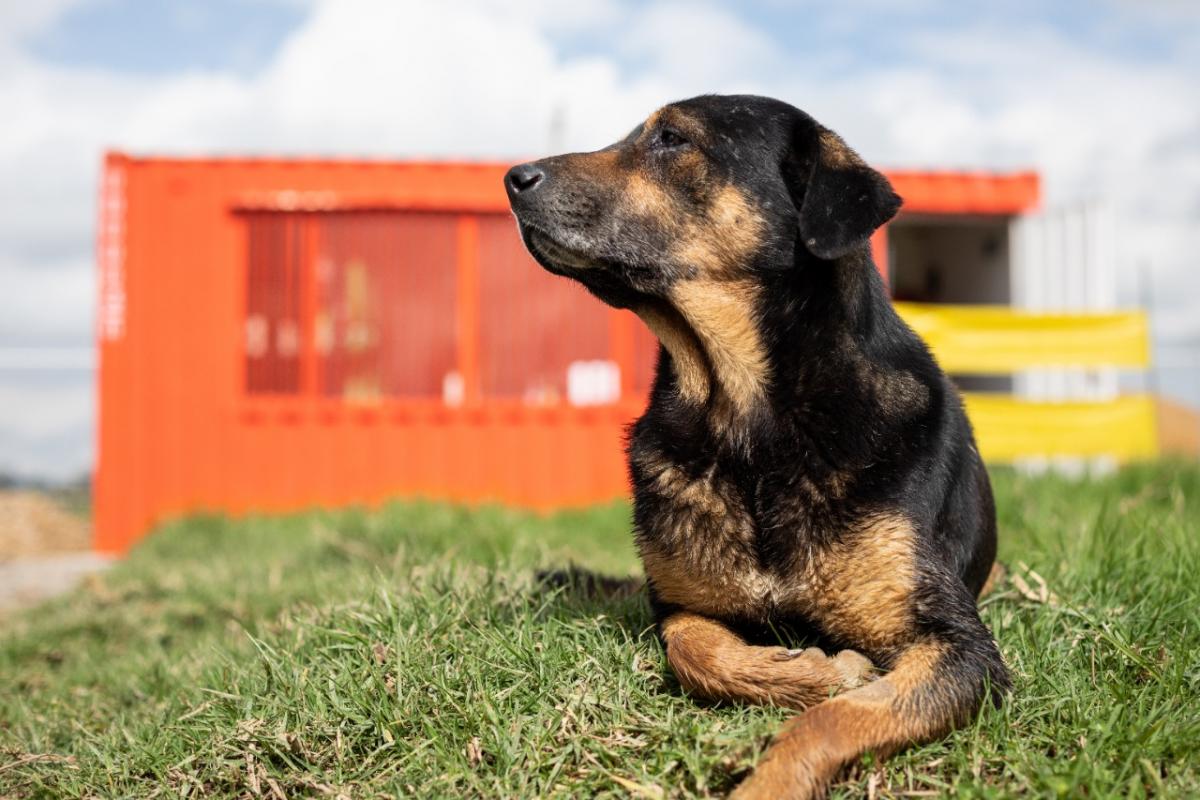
point(697, 46)
point(485, 78)
point(555, 16)
point(49, 304)
point(1094, 125)
point(18, 20)
point(45, 426)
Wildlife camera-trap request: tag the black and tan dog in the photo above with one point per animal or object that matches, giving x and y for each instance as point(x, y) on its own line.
point(803, 464)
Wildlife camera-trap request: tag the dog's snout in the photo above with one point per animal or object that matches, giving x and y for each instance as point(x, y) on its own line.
point(523, 178)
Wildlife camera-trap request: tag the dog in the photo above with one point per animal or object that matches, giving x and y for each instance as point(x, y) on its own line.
point(803, 464)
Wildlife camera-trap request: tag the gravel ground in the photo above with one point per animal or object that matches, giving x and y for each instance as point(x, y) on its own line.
point(45, 550)
point(31, 579)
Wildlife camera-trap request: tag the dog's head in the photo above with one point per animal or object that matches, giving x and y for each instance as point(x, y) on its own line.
point(709, 189)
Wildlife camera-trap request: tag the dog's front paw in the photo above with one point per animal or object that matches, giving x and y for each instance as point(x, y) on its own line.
point(815, 653)
point(855, 668)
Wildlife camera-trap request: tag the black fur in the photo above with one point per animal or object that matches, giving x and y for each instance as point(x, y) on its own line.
point(857, 418)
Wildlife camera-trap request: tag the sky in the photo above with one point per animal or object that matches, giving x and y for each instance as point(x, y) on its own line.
point(1101, 96)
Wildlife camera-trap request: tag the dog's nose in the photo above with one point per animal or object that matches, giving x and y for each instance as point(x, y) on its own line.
point(523, 178)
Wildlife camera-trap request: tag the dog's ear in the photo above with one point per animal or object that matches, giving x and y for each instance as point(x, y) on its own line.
point(841, 200)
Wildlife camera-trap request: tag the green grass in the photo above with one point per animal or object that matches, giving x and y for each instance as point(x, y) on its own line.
point(410, 652)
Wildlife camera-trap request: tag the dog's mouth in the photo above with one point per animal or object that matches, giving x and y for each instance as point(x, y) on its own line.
point(553, 255)
point(602, 277)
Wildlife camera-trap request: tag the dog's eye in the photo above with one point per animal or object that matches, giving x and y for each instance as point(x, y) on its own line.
point(668, 139)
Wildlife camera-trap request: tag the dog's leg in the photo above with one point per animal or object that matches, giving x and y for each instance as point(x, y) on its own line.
point(935, 686)
point(712, 661)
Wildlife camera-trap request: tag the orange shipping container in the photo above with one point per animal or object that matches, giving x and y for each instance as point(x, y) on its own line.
point(279, 334)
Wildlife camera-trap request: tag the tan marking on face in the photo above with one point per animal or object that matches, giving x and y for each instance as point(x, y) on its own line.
point(652, 120)
point(721, 314)
point(711, 661)
point(721, 245)
point(710, 331)
point(600, 166)
point(646, 198)
point(692, 128)
point(692, 166)
point(715, 341)
point(673, 116)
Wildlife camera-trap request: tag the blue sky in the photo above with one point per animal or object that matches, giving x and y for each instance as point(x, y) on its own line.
point(156, 36)
point(1101, 96)
point(241, 35)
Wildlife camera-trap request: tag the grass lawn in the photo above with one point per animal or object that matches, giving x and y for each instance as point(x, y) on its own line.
point(410, 652)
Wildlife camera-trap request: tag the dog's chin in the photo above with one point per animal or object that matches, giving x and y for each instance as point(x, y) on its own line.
point(595, 276)
point(556, 257)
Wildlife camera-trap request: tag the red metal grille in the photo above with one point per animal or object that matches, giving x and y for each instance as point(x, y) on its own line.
point(366, 305)
point(386, 318)
point(532, 325)
point(273, 325)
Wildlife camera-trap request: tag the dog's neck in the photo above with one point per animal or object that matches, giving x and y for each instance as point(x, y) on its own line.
point(738, 349)
point(711, 332)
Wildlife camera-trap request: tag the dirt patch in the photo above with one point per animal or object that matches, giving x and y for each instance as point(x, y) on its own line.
point(45, 549)
point(32, 524)
point(27, 581)
point(1178, 428)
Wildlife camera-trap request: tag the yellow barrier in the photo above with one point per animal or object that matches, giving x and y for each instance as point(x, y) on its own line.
point(975, 340)
point(998, 339)
point(1007, 428)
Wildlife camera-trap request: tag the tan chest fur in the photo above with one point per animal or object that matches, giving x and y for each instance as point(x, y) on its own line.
point(701, 557)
